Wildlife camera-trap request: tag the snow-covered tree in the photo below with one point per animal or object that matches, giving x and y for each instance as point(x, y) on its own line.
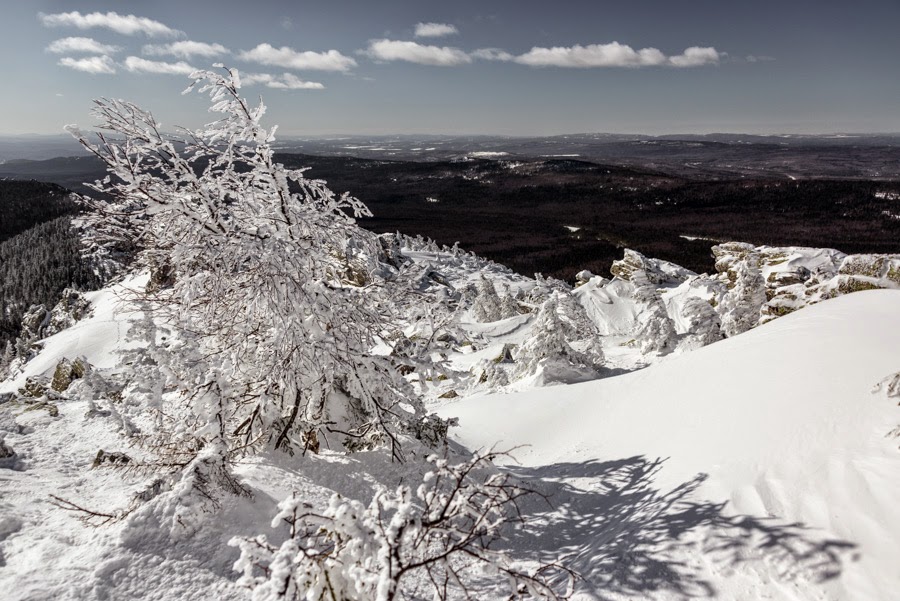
point(270, 341)
point(487, 306)
point(6, 358)
point(547, 345)
point(740, 307)
point(508, 305)
point(704, 326)
point(656, 332)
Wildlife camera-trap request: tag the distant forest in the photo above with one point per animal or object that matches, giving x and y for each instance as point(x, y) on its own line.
point(39, 253)
point(517, 213)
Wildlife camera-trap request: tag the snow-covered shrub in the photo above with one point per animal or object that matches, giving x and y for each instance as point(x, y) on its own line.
point(704, 325)
point(486, 307)
point(269, 338)
point(890, 386)
point(740, 307)
point(547, 345)
point(436, 541)
point(490, 374)
point(656, 332)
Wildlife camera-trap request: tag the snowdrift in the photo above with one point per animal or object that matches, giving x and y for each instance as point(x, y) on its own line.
point(774, 433)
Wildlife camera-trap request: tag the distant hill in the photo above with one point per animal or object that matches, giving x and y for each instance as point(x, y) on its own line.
point(558, 215)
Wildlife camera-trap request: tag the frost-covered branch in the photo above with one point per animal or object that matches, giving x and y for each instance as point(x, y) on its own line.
point(437, 541)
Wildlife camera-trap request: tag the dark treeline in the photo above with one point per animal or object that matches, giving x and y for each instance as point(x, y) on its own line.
point(517, 214)
point(24, 204)
point(40, 255)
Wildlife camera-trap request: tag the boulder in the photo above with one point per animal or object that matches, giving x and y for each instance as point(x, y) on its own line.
point(34, 321)
point(34, 388)
point(66, 372)
point(162, 276)
point(7, 455)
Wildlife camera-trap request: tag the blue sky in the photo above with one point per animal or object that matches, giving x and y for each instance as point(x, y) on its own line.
point(466, 67)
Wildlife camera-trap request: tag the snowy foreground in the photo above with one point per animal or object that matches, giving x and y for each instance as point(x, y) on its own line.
point(759, 467)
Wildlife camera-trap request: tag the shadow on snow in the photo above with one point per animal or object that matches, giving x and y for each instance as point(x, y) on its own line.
point(623, 536)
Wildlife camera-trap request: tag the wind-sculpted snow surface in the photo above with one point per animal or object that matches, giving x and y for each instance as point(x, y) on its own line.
point(758, 467)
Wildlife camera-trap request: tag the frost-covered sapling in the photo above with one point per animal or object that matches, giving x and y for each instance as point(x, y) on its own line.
point(269, 345)
point(487, 305)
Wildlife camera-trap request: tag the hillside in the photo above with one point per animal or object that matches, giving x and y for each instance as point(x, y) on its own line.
point(759, 467)
point(559, 215)
point(755, 467)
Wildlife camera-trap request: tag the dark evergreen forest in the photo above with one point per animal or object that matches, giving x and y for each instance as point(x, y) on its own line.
point(40, 254)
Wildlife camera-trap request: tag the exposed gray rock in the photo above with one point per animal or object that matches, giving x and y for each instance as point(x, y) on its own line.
point(68, 371)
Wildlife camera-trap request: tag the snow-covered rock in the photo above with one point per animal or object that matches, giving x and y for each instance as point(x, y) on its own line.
point(657, 270)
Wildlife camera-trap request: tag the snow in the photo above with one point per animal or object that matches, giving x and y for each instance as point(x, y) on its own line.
point(756, 467)
point(486, 154)
point(777, 425)
point(99, 339)
point(609, 305)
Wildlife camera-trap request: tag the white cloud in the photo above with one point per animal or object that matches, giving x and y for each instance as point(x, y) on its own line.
point(413, 52)
point(91, 64)
point(614, 54)
point(124, 24)
point(287, 81)
point(288, 58)
point(759, 59)
point(492, 54)
point(141, 65)
point(435, 30)
point(695, 56)
point(185, 49)
point(88, 45)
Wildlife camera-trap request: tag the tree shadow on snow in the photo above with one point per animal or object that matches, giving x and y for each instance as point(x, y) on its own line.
point(623, 536)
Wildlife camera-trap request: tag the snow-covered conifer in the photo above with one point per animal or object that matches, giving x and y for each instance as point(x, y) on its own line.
point(704, 326)
point(656, 332)
point(508, 305)
point(740, 307)
point(548, 346)
point(6, 358)
point(487, 303)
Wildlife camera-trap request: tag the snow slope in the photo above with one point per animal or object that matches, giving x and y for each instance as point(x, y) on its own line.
point(756, 468)
point(781, 481)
